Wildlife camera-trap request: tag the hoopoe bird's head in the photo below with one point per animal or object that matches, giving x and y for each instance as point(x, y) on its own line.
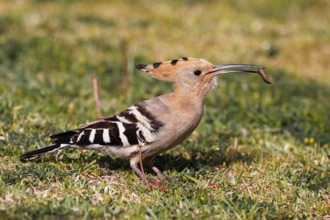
point(196, 76)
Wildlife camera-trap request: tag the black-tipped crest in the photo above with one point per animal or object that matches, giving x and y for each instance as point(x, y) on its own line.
point(173, 62)
point(140, 66)
point(156, 65)
point(172, 69)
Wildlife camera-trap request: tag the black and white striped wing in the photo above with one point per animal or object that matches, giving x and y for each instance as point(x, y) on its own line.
point(132, 127)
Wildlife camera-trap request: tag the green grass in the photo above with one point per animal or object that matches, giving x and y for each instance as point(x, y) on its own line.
point(266, 146)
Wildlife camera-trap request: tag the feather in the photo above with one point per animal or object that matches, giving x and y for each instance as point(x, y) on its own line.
point(38, 151)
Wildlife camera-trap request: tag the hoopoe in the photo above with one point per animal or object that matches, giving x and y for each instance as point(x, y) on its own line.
point(151, 127)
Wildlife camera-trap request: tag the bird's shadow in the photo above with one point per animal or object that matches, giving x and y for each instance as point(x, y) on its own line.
point(196, 159)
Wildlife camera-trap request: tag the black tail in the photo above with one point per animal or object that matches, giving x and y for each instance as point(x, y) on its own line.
point(35, 152)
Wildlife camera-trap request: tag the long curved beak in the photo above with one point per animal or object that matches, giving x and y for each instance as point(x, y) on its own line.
point(240, 68)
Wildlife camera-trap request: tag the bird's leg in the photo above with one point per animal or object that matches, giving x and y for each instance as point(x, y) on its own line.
point(141, 166)
point(160, 174)
point(135, 167)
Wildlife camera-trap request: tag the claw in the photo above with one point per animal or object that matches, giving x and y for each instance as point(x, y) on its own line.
point(156, 185)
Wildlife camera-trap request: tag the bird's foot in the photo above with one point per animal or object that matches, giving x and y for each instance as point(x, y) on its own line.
point(149, 182)
point(156, 185)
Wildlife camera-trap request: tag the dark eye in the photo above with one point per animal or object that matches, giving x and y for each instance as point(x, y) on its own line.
point(197, 72)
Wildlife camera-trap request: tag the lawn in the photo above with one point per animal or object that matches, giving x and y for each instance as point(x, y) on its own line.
point(265, 149)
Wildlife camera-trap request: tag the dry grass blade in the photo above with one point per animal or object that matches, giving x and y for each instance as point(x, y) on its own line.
point(96, 96)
